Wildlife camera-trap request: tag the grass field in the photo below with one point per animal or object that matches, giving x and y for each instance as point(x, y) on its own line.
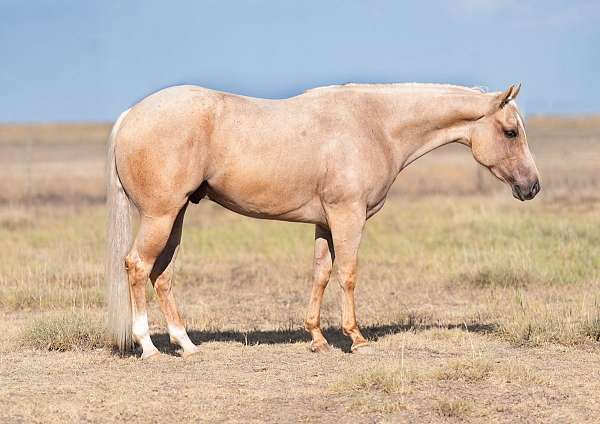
point(481, 309)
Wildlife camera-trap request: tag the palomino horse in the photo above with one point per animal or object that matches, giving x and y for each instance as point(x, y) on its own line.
point(327, 157)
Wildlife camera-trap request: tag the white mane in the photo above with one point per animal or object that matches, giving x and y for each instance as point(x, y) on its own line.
point(405, 86)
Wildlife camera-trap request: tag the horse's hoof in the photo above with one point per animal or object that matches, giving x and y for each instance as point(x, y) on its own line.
point(190, 352)
point(321, 347)
point(363, 349)
point(153, 354)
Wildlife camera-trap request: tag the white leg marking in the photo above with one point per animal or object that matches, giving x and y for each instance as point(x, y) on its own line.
point(141, 334)
point(179, 335)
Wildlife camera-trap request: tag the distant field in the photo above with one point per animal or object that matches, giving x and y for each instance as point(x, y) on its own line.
point(480, 308)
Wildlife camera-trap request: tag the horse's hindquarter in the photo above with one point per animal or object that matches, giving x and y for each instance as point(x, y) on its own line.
point(161, 148)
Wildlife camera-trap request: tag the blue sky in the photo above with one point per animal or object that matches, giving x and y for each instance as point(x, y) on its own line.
point(89, 60)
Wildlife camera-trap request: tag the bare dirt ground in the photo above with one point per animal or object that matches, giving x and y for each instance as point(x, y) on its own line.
point(483, 309)
point(423, 376)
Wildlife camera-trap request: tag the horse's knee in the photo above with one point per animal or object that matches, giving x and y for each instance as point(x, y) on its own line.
point(347, 279)
point(322, 269)
point(322, 277)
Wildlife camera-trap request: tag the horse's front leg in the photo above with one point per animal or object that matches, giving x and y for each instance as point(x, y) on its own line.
point(347, 225)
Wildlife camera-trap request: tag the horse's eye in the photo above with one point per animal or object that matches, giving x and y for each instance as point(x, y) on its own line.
point(510, 133)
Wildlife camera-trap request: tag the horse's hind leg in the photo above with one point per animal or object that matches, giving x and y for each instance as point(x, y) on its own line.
point(162, 278)
point(150, 242)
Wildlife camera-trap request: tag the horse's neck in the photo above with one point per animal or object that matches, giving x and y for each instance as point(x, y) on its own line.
point(418, 122)
point(454, 134)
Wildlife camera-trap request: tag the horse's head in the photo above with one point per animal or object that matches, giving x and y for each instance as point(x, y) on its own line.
point(499, 143)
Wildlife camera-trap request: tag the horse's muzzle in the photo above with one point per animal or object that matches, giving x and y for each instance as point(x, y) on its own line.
point(526, 192)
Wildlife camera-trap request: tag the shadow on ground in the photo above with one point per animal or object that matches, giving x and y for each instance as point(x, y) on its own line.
point(333, 335)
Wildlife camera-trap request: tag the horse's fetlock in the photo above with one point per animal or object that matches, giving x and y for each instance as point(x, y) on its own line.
point(311, 323)
point(139, 329)
point(349, 329)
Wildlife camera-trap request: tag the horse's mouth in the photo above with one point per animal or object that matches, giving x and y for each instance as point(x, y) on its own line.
point(517, 193)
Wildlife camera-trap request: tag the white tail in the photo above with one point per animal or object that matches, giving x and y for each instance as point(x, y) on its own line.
point(119, 241)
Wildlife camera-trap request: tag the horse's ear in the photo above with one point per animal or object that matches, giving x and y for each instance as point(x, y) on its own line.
point(516, 89)
point(509, 94)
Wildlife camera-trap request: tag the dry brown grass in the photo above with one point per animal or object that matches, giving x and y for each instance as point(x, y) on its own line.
point(367, 407)
point(77, 329)
point(386, 378)
point(54, 133)
point(453, 408)
point(514, 372)
point(571, 319)
point(51, 289)
point(471, 370)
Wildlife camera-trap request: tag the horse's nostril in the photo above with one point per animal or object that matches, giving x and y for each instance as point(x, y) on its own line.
point(517, 193)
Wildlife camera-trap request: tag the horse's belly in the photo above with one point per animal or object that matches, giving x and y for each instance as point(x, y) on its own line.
point(259, 199)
